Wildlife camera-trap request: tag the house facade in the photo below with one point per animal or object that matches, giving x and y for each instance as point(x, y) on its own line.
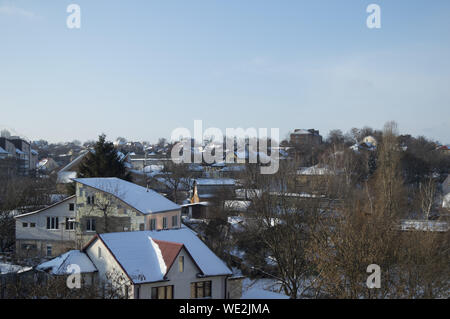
point(105, 205)
point(47, 232)
point(169, 264)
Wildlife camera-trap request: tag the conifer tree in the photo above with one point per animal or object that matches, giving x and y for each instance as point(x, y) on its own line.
point(104, 161)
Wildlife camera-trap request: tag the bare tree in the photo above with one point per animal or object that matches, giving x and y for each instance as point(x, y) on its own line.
point(427, 193)
point(177, 177)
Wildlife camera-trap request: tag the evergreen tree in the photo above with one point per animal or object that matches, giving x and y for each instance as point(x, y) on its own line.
point(104, 161)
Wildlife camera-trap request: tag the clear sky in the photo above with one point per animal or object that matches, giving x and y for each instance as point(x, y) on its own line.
point(142, 68)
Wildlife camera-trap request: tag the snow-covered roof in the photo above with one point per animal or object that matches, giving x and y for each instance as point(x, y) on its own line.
point(314, 170)
point(66, 177)
point(146, 255)
point(145, 200)
point(74, 162)
point(60, 265)
point(215, 181)
point(61, 201)
point(19, 152)
point(2, 151)
point(6, 268)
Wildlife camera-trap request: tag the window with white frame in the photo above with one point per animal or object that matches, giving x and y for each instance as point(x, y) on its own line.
point(90, 224)
point(175, 221)
point(52, 222)
point(70, 223)
point(152, 224)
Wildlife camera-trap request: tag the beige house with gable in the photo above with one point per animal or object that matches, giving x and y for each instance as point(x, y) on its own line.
point(105, 205)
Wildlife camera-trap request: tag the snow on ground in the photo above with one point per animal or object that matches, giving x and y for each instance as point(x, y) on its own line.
point(10, 268)
point(261, 289)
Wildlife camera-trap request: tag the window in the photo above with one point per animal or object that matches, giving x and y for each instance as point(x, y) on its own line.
point(91, 200)
point(69, 224)
point(71, 206)
point(181, 263)
point(52, 223)
point(165, 292)
point(32, 225)
point(175, 221)
point(49, 251)
point(164, 222)
point(24, 224)
point(138, 292)
point(201, 289)
point(99, 252)
point(152, 224)
point(141, 226)
point(90, 224)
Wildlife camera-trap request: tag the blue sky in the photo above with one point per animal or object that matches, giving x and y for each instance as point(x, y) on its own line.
point(142, 68)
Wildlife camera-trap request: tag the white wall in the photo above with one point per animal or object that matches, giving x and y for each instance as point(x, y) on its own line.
point(180, 281)
point(40, 232)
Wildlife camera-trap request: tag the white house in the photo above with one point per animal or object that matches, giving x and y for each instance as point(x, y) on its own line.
point(47, 232)
point(168, 264)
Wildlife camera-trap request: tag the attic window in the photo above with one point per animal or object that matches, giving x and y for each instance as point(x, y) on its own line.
point(24, 224)
point(181, 263)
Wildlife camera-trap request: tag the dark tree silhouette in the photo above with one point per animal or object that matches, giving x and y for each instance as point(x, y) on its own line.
point(104, 161)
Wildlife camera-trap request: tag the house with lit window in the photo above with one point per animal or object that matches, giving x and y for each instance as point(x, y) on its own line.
point(166, 264)
point(107, 205)
point(47, 232)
